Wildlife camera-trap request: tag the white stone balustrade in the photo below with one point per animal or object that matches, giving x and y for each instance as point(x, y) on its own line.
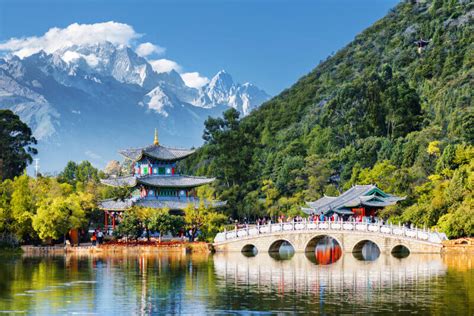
point(368, 228)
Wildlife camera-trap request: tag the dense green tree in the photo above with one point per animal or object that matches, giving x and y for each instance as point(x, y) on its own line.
point(23, 206)
point(207, 221)
point(6, 218)
point(16, 145)
point(82, 172)
point(163, 222)
point(130, 225)
point(401, 104)
point(318, 173)
point(56, 216)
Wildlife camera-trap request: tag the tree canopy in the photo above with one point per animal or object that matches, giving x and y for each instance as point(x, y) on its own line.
point(16, 145)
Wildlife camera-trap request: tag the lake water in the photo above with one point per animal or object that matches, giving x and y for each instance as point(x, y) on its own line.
point(321, 283)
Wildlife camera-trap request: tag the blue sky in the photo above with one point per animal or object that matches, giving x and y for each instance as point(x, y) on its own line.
point(269, 43)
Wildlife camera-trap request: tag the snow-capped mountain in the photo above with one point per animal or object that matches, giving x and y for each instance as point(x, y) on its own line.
point(222, 90)
point(87, 101)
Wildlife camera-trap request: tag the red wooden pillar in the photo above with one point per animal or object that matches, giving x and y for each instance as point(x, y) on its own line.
point(113, 222)
point(106, 219)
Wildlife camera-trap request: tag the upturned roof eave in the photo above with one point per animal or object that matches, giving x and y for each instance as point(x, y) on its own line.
point(144, 151)
point(110, 182)
point(175, 185)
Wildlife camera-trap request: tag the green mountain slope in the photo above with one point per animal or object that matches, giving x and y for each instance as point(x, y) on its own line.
point(377, 111)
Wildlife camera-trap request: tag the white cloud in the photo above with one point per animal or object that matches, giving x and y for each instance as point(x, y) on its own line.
point(165, 65)
point(194, 79)
point(148, 48)
point(75, 34)
point(91, 59)
point(86, 34)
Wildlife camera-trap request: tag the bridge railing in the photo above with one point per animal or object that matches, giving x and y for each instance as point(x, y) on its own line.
point(375, 228)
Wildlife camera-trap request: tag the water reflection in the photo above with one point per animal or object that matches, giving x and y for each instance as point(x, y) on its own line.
point(400, 252)
point(175, 283)
point(326, 251)
point(366, 250)
point(249, 250)
point(299, 273)
point(281, 250)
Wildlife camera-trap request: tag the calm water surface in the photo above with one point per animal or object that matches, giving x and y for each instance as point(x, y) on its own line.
point(321, 283)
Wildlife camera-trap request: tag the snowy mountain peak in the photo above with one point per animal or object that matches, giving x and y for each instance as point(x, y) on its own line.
point(221, 81)
point(221, 90)
point(107, 59)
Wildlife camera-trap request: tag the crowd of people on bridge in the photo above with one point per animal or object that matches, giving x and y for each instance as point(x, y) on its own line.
point(312, 218)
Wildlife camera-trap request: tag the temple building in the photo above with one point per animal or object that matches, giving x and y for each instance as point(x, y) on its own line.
point(359, 201)
point(155, 182)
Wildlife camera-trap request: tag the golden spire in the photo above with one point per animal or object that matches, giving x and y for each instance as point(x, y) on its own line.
point(156, 142)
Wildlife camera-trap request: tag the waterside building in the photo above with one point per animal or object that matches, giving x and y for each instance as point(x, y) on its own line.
point(359, 201)
point(155, 182)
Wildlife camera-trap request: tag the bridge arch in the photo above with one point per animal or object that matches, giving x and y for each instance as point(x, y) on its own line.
point(276, 244)
point(323, 249)
point(249, 250)
point(400, 251)
point(313, 241)
point(366, 250)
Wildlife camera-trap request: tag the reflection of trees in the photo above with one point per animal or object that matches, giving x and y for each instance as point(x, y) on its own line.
point(457, 288)
point(25, 278)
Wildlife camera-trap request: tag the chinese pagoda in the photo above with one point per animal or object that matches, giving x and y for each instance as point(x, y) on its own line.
point(359, 201)
point(155, 182)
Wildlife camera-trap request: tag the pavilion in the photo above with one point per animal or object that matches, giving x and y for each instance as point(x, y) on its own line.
point(359, 201)
point(155, 182)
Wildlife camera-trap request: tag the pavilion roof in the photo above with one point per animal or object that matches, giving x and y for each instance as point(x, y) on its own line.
point(175, 181)
point(115, 205)
point(357, 196)
point(157, 152)
point(173, 204)
point(159, 181)
point(129, 181)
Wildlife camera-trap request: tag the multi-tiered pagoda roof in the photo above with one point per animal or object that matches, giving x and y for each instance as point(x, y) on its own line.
point(156, 180)
point(176, 181)
point(156, 151)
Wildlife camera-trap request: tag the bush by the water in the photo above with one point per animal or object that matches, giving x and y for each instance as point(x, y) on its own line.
point(8, 241)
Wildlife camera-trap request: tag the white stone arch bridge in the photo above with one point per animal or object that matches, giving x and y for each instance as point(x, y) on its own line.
point(304, 236)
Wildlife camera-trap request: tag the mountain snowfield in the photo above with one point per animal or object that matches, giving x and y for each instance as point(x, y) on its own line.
point(87, 101)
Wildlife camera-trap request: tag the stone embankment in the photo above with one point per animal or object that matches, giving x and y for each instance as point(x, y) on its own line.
point(461, 245)
point(121, 247)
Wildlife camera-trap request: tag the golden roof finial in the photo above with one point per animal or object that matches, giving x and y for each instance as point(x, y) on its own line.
point(156, 142)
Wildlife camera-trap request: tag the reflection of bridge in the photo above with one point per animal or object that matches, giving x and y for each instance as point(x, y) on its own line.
point(304, 236)
point(347, 275)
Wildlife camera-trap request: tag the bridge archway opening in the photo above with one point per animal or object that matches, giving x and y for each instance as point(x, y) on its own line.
point(281, 250)
point(366, 250)
point(400, 251)
point(249, 250)
point(323, 249)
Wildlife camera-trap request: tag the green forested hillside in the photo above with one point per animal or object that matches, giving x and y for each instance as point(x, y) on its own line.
point(375, 112)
